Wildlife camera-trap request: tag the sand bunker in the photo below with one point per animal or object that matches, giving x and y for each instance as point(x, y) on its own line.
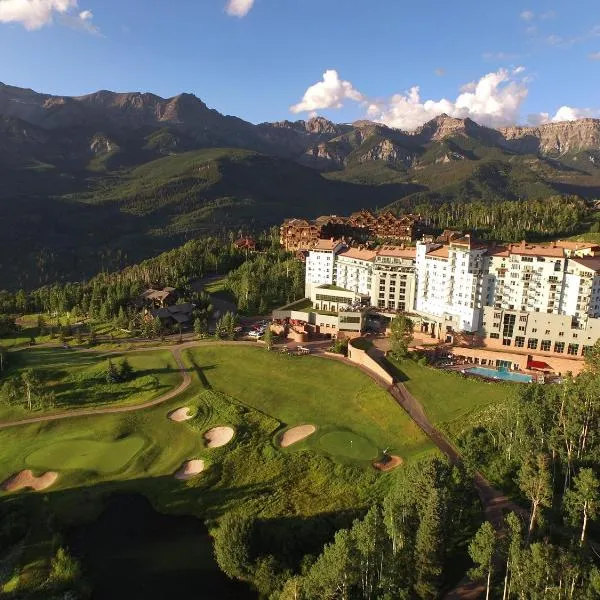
point(189, 469)
point(391, 463)
point(218, 436)
point(296, 434)
point(181, 414)
point(27, 480)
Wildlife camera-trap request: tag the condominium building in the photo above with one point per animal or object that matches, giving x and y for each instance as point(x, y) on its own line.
point(320, 264)
point(393, 281)
point(452, 283)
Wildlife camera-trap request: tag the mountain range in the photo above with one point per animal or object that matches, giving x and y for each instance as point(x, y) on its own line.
point(98, 180)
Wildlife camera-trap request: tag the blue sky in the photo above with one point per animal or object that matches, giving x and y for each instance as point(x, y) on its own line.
point(534, 61)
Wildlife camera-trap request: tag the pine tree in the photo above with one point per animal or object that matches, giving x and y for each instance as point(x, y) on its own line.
point(112, 373)
point(268, 338)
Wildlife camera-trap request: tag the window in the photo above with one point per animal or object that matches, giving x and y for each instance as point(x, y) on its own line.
point(534, 330)
point(506, 342)
point(497, 315)
point(587, 349)
point(559, 347)
point(532, 343)
point(547, 332)
point(519, 341)
point(523, 318)
point(573, 349)
point(521, 328)
point(546, 344)
point(495, 336)
point(508, 326)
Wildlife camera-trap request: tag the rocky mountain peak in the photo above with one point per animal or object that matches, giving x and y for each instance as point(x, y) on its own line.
point(321, 125)
point(554, 138)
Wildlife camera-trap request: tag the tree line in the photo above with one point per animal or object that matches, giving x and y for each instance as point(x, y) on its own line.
point(508, 220)
point(543, 446)
point(402, 548)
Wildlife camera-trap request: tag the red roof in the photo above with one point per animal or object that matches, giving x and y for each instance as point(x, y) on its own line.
point(539, 365)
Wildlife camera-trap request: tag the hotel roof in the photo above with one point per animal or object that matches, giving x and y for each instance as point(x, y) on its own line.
point(329, 245)
point(442, 252)
point(397, 251)
point(592, 262)
point(359, 253)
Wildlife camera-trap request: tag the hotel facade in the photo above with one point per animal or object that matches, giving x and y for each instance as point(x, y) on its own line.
point(534, 301)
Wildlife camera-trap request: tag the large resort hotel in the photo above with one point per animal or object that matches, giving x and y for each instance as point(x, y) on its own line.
point(518, 306)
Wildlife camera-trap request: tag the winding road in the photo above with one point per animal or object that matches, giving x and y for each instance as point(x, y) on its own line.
point(495, 503)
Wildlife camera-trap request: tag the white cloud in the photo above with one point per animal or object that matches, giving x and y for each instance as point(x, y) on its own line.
point(494, 100)
point(548, 15)
point(239, 8)
point(328, 93)
point(440, 72)
point(594, 56)
point(518, 70)
point(527, 15)
point(33, 14)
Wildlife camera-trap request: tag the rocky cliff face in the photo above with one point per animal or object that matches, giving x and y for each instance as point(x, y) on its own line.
point(554, 138)
point(191, 124)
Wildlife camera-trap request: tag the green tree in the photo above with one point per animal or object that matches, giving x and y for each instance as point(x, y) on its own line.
point(232, 545)
point(536, 483)
point(429, 547)
point(200, 327)
point(31, 386)
point(401, 336)
point(582, 500)
point(592, 358)
point(112, 373)
point(3, 355)
point(481, 551)
point(268, 338)
point(64, 569)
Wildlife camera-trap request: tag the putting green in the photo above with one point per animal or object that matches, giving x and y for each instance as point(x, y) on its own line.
point(88, 455)
point(348, 445)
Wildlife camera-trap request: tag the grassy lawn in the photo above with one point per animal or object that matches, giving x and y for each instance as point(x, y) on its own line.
point(311, 390)
point(447, 397)
point(78, 379)
point(318, 484)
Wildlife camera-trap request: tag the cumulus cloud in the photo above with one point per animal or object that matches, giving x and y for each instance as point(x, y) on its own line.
point(527, 15)
point(494, 100)
point(330, 92)
point(35, 14)
point(594, 56)
point(239, 8)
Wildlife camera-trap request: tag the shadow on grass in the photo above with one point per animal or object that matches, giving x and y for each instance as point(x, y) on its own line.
point(200, 372)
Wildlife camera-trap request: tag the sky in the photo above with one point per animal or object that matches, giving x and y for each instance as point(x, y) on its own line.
point(396, 62)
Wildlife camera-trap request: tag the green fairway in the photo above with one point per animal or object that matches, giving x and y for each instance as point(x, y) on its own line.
point(104, 457)
point(77, 379)
point(310, 390)
point(446, 396)
point(348, 445)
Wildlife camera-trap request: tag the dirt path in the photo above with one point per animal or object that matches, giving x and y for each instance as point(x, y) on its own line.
point(186, 380)
point(494, 502)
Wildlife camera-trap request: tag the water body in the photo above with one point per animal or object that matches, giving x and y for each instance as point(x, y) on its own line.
point(132, 551)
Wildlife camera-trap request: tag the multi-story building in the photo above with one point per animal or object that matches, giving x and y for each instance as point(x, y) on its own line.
point(320, 264)
point(541, 301)
point(452, 284)
point(301, 234)
point(393, 281)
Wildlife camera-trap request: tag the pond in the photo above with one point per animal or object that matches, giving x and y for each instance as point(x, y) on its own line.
point(132, 551)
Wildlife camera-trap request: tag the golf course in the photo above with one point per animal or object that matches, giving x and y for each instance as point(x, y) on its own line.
point(230, 425)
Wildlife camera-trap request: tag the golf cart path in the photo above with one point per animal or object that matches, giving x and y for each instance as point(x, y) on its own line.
point(186, 380)
point(495, 503)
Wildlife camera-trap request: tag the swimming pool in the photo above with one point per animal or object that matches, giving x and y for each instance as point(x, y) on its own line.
point(504, 375)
